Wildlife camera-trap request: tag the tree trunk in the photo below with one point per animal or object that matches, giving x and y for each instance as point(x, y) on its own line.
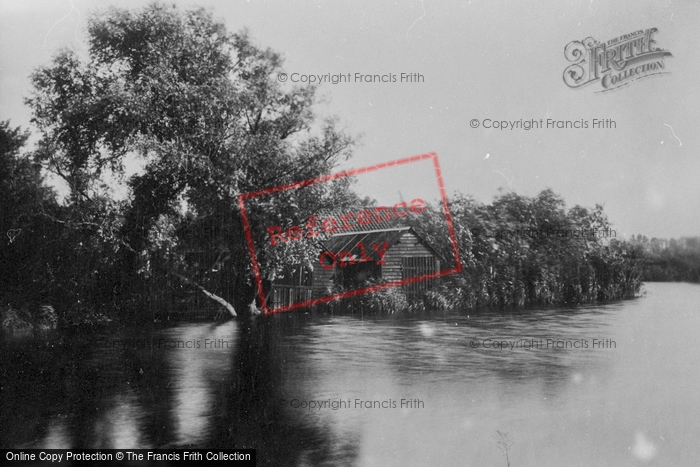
point(253, 308)
point(214, 297)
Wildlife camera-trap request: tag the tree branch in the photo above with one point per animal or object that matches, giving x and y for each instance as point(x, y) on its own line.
point(216, 298)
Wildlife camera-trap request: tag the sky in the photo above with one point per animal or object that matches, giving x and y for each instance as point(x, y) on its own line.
point(471, 61)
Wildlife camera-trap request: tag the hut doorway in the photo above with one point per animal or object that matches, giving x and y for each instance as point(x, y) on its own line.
point(356, 275)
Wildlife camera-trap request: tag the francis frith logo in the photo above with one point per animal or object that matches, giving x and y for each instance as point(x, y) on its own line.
point(615, 63)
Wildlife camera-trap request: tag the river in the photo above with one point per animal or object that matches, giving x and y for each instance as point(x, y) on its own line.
point(605, 385)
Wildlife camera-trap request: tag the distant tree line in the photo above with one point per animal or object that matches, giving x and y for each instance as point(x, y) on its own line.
point(675, 260)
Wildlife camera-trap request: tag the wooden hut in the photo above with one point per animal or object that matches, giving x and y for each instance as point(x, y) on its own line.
point(357, 258)
point(389, 255)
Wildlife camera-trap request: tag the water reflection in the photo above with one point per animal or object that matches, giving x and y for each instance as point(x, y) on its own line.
point(193, 377)
point(251, 415)
point(243, 384)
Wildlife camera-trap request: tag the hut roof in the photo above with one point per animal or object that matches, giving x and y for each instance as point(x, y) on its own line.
point(349, 241)
point(381, 219)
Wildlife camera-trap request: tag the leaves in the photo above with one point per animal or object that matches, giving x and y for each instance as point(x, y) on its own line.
point(521, 251)
point(202, 108)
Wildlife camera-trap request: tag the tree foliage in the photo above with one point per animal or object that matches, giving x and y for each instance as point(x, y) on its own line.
point(669, 260)
point(22, 196)
point(201, 109)
point(520, 251)
point(50, 253)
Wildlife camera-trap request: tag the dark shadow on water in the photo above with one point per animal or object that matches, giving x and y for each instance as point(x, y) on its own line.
point(72, 391)
point(60, 392)
point(251, 413)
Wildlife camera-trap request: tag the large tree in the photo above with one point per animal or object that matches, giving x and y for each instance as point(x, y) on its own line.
point(204, 112)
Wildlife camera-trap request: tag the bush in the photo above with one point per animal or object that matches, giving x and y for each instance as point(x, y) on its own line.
point(25, 320)
point(388, 300)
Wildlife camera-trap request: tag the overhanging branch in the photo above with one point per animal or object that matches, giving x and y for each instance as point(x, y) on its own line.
point(210, 295)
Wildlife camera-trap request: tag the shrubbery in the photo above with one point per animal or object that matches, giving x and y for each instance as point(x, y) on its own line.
point(521, 251)
point(506, 263)
point(669, 260)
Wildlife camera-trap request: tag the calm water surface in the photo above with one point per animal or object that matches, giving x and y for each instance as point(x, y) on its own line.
point(634, 399)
